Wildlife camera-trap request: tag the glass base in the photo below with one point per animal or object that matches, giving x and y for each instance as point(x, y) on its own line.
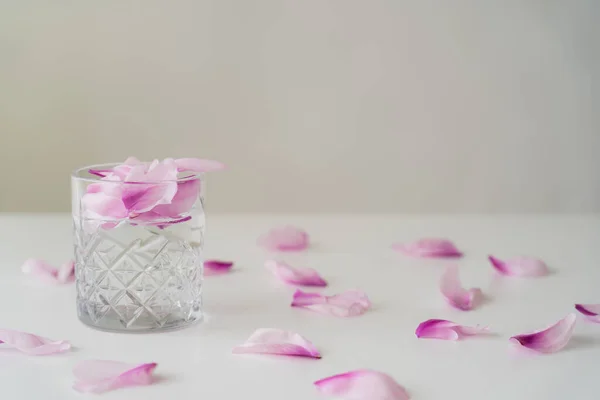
point(141, 325)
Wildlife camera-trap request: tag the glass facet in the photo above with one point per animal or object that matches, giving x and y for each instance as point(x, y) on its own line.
point(137, 271)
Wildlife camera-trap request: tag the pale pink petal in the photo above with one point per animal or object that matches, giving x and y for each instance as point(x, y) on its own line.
point(98, 376)
point(347, 304)
point(286, 238)
point(456, 295)
point(591, 311)
point(99, 205)
point(520, 266)
point(183, 201)
point(216, 267)
point(428, 248)
point(198, 165)
point(66, 272)
point(363, 384)
point(49, 273)
point(550, 339)
point(31, 344)
point(145, 189)
point(278, 342)
point(295, 276)
point(132, 161)
point(446, 330)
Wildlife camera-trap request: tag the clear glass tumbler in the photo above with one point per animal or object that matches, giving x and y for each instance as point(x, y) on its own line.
point(138, 250)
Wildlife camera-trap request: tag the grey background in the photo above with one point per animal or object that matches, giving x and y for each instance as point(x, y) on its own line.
point(316, 105)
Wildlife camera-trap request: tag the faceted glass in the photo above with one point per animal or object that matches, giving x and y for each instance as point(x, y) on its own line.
point(137, 272)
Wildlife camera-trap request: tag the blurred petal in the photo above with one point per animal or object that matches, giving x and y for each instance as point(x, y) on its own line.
point(49, 273)
point(98, 376)
point(550, 339)
point(295, 276)
point(286, 238)
point(520, 266)
point(183, 201)
point(217, 267)
point(456, 295)
point(132, 161)
point(66, 272)
point(362, 384)
point(279, 342)
point(100, 172)
point(198, 165)
point(445, 330)
point(428, 248)
point(347, 304)
point(591, 311)
point(31, 344)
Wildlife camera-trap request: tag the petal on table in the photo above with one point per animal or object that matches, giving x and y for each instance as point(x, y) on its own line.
point(286, 238)
point(347, 304)
point(99, 205)
point(550, 339)
point(183, 201)
point(40, 269)
point(98, 376)
point(66, 272)
point(430, 247)
point(446, 330)
point(31, 344)
point(278, 342)
point(362, 384)
point(457, 296)
point(198, 165)
point(520, 266)
point(591, 311)
point(295, 276)
point(216, 267)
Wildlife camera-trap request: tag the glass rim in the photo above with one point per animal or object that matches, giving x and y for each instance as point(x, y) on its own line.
point(77, 174)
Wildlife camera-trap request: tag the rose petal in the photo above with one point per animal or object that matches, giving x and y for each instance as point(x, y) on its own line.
point(215, 267)
point(279, 342)
point(98, 376)
point(456, 295)
point(31, 344)
point(362, 384)
point(591, 311)
point(145, 189)
point(99, 205)
point(347, 304)
point(49, 273)
point(295, 276)
point(520, 266)
point(183, 201)
point(100, 172)
point(198, 165)
point(446, 330)
point(286, 238)
point(428, 248)
point(550, 339)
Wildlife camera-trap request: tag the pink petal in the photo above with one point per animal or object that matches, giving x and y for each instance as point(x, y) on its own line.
point(279, 342)
point(49, 273)
point(362, 384)
point(132, 161)
point(520, 266)
point(286, 238)
point(295, 276)
point(31, 344)
point(145, 189)
point(99, 205)
point(428, 248)
point(183, 201)
point(445, 330)
point(198, 165)
point(550, 339)
point(215, 267)
point(456, 295)
point(98, 376)
point(591, 311)
point(347, 304)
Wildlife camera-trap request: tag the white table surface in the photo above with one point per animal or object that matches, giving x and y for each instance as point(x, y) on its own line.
point(351, 252)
